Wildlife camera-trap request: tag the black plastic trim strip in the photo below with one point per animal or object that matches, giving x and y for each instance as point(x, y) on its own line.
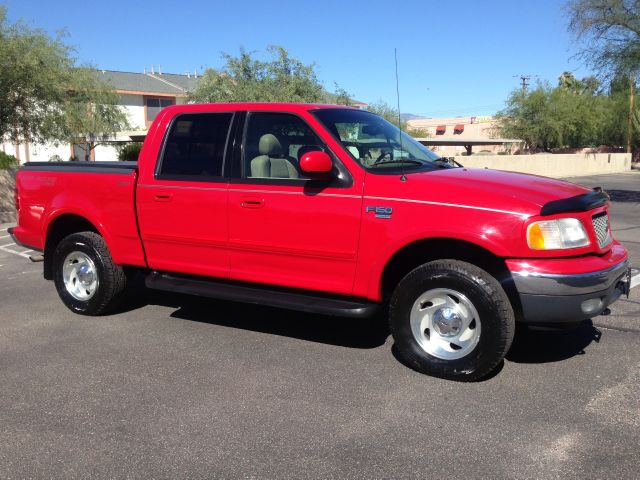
point(579, 203)
point(291, 299)
point(124, 168)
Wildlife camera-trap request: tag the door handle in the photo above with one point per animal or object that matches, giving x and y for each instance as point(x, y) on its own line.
point(165, 197)
point(252, 202)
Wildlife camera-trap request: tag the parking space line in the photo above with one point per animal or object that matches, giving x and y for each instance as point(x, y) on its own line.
point(635, 280)
point(5, 248)
point(5, 236)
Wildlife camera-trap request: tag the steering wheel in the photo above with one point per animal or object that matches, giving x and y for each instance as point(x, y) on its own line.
point(388, 153)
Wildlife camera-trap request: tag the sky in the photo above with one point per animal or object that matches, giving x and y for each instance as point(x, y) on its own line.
point(455, 58)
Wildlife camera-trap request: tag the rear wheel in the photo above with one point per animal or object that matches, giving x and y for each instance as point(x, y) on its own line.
point(451, 319)
point(87, 280)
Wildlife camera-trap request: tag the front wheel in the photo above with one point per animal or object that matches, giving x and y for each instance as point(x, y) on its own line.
point(451, 319)
point(87, 280)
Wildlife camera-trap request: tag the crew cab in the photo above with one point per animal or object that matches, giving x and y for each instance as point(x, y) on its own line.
point(326, 209)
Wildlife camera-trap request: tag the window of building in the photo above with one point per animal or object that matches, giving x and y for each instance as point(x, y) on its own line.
point(195, 146)
point(458, 129)
point(440, 129)
point(155, 104)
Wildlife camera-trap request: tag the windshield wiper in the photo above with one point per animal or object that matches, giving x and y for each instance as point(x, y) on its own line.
point(399, 160)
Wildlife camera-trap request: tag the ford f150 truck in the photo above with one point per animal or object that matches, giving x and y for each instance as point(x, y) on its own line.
point(332, 210)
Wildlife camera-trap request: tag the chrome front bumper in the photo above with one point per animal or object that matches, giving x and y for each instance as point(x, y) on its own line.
point(551, 298)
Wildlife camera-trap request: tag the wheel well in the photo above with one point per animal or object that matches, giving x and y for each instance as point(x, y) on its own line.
point(61, 227)
point(423, 251)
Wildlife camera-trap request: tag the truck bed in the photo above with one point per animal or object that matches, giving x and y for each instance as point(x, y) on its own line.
point(101, 192)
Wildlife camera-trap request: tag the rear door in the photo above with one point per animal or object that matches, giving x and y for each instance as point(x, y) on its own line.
point(182, 207)
point(284, 228)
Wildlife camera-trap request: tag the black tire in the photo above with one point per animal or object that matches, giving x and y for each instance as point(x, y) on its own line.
point(487, 297)
point(111, 277)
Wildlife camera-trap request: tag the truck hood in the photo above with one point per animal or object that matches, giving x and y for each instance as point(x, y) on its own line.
point(491, 189)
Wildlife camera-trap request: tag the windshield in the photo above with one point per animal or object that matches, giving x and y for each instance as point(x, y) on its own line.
point(375, 143)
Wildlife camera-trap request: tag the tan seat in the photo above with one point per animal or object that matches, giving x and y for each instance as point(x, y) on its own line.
point(272, 163)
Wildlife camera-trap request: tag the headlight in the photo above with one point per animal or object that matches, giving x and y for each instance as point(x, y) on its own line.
point(557, 234)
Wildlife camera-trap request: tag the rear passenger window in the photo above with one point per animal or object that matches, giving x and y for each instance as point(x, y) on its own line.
point(195, 146)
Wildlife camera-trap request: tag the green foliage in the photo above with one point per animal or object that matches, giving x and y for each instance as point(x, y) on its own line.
point(574, 114)
point(589, 85)
point(342, 97)
point(610, 31)
point(7, 161)
point(92, 113)
point(390, 114)
point(130, 152)
point(45, 97)
point(33, 71)
point(280, 78)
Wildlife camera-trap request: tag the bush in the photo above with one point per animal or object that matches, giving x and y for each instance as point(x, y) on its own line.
point(130, 152)
point(8, 161)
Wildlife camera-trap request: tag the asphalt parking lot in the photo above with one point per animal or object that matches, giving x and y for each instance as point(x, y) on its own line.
point(173, 386)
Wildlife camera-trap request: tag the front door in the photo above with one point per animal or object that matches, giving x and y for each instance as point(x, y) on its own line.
point(182, 208)
point(284, 228)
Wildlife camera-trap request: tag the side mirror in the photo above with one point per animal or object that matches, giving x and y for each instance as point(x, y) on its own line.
point(316, 164)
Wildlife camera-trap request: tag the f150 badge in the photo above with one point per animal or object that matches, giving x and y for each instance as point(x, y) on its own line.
point(381, 212)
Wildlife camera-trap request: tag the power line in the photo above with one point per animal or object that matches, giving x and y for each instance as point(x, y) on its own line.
point(524, 79)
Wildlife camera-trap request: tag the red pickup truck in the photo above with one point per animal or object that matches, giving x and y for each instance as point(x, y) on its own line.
point(332, 210)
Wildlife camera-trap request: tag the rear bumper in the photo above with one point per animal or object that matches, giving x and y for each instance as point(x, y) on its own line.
point(570, 298)
point(22, 244)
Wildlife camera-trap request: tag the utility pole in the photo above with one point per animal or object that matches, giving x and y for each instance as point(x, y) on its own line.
point(524, 79)
point(632, 81)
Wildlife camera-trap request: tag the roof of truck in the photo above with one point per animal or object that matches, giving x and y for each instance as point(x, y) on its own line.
point(257, 106)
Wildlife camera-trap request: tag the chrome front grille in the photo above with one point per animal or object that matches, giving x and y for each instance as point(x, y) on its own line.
point(602, 229)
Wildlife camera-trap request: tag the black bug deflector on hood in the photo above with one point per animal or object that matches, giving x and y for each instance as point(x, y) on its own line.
point(579, 203)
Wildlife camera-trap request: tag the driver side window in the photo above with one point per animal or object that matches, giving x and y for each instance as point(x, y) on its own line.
point(274, 144)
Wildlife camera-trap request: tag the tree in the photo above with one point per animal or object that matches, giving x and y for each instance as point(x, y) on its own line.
point(280, 78)
point(45, 97)
point(130, 152)
point(92, 114)
point(610, 31)
point(341, 97)
point(572, 114)
point(32, 70)
point(568, 81)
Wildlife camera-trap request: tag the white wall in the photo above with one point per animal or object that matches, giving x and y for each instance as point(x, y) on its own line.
point(106, 153)
point(553, 165)
point(44, 153)
point(134, 106)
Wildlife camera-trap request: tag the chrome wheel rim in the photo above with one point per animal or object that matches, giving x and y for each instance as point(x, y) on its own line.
point(80, 276)
point(445, 323)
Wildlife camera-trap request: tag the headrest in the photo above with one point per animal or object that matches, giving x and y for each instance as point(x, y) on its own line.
point(269, 145)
